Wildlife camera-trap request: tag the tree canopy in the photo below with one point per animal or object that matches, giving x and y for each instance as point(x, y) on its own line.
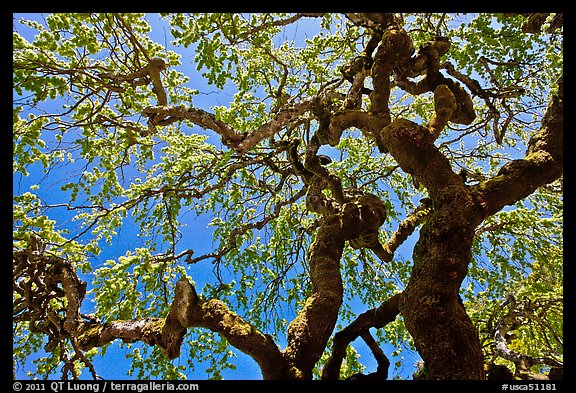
point(190, 185)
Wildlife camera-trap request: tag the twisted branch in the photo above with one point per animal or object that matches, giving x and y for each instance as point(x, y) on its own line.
point(377, 318)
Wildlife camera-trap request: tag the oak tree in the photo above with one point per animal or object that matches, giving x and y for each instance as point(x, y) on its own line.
point(284, 184)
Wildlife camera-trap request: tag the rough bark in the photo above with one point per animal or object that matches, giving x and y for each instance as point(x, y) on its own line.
point(309, 332)
point(431, 307)
point(189, 310)
point(542, 164)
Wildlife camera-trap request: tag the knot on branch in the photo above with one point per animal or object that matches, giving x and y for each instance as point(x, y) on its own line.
point(319, 203)
point(183, 314)
point(156, 64)
point(150, 73)
point(186, 300)
point(396, 47)
point(408, 133)
point(361, 219)
point(444, 106)
point(427, 62)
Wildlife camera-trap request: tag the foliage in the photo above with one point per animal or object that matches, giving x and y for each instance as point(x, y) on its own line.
point(124, 204)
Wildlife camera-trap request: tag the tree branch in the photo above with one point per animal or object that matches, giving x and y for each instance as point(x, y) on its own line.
point(309, 332)
point(165, 115)
point(405, 229)
point(279, 22)
point(535, 21)
point(395, 49)
point(272, 127)
point(371, 20)
point(143, 76)
point(517, 316)
point(189, 310)
point(412, 147)
point(542, 164)
point(376, 317)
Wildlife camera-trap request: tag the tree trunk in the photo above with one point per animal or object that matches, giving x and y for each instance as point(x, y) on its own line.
point(432, 308)
point(309, 332)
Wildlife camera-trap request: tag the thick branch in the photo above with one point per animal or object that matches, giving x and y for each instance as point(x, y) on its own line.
point(309, 332)
point(143, 76)
point(444, 106)
point(542, 164)
point(312, 163)
point(142, 329)
point(272, 127)
point(280, 22)
point(405, 229)
point(370, 124)
point(412, 147)
point(371, 20)
point(39, 277)
point(188, 310)
point(165, 115)
point(394, 50)
point(239, 333)
point(354, 97)
point(428, 61)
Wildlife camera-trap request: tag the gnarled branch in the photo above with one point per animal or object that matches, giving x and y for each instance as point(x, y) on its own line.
point(189, 310)
point(377, 318)
point(542, 164)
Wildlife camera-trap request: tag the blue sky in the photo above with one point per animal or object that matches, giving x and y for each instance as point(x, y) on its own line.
point(198, 235)
point(114, 365)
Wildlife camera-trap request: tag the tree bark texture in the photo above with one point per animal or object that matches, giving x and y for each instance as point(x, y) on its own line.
point(431, 307)
point(309, 332)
